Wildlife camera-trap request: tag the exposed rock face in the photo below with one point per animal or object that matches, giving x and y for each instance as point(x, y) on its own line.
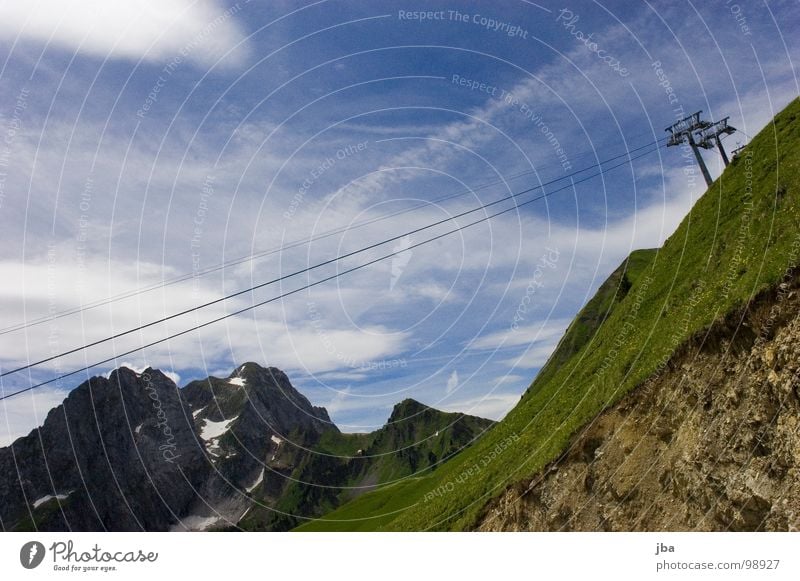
point(247, 423)
point(305, 483)
point(712, 443)
point(135, 452)
point(118, 454)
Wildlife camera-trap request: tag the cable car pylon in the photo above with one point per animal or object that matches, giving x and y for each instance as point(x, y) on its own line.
point(699, 133)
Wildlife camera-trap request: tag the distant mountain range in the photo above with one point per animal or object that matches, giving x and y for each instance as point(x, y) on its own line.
point(135, 452)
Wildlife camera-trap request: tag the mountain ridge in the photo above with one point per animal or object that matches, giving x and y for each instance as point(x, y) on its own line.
point(219, 447)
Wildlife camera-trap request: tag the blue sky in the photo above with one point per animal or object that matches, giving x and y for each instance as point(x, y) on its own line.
point(142, 141)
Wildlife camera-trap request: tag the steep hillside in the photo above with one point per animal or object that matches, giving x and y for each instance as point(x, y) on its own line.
point(340, 467)
point(710, 443)
point(738, 240)
point(586, 323)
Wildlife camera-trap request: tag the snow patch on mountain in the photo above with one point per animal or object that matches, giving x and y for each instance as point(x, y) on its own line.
point(212, 430)
point(40, 501)
point(195, 523)
point(258, 481)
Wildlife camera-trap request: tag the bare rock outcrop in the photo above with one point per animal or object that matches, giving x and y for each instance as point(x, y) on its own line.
point(711, 443)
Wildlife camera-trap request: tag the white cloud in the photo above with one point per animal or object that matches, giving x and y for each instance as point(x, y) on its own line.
point(152, 30)
point(339, 401)
point(512, 379)
point(20, 414)
point(527, 335)
point(534, 357)
point(452, 382)
point(340, 376)
point(493, 406)
point(175, 377)
point(278, 334)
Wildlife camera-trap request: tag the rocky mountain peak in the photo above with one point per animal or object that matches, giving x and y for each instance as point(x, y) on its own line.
point(133, 451)
point(406, 410)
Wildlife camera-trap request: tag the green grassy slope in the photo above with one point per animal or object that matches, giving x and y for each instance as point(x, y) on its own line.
point(591, 317)
point(416, 439)
point(740, 238)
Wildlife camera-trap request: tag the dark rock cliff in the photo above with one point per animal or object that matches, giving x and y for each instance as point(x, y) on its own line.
point(118, 454)
point(135, 452)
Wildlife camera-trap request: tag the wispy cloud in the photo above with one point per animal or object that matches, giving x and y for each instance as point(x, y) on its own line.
point(544, 331)
point(452, 383)
point(492, 406)
point(532, 358)
point(19, 415)
point(150, 30)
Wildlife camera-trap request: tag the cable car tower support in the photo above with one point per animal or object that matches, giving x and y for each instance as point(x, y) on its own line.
point(710, 136)
point(698, 133)
point(682, 132)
